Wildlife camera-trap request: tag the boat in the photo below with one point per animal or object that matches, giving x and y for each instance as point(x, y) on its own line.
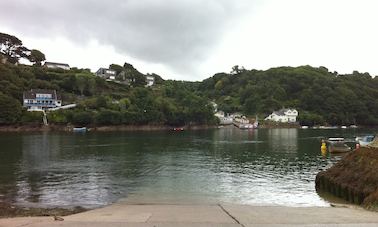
point(243, 123)
point(337, 145)
point(365, 141)
point(79, 129)
point(328, 127)
point(304, 127)
point(178, 129)
point(344, 127)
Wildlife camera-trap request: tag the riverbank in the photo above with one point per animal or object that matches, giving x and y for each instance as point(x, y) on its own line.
point(68, 128)
point(354, 178)
point(121, 214)
point(8, 210)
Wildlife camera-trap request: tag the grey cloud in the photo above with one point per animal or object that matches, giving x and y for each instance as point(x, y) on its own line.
point(176, 33)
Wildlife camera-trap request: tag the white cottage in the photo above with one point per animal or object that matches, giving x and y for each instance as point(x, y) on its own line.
point(55, 65)
point(150, 80)
point(41, 99)
point(284, 115)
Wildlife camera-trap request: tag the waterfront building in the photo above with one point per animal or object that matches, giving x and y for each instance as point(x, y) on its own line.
point(284, 115)
point(55, 65)
point(108, 74)
point(223, 119)
point(41, 99)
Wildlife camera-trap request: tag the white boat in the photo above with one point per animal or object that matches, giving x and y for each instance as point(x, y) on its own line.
point(365, 141)
point(337, 144)
point(81, 129)
point(328, 127)
point(243, 123)
point(335, 139)
point(304, 127)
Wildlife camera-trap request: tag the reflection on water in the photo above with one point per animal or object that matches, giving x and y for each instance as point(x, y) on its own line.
point(265, 166)
point(283, 140)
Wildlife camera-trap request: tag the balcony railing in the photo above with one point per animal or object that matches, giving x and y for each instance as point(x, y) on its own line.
point(40, 104)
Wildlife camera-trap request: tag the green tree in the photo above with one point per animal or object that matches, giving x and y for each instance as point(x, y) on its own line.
point(124, 103)
point(82, 118)
point(36, 57)
point(81, 82)
point(10, 111)
point(108, 117)
point(116, 67)
point(11, 47)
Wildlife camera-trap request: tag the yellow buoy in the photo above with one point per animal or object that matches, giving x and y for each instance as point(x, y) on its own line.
point(323, 148)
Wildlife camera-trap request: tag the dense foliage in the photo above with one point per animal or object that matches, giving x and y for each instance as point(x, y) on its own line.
point(101, 102)
point(322, 97)
point(319, 95)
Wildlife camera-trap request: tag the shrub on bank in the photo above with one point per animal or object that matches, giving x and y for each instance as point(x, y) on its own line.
point(32, 117)
point(82, 118)
point(57, 117)
point(108, 117)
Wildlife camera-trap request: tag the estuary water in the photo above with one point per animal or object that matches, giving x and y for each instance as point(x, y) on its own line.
point(227, 165)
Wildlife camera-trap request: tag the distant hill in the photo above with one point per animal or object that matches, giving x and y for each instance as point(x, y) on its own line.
point(319, 95)
point(101, 102)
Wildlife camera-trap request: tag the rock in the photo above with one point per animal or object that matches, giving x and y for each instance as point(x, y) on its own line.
point(354, 178)
point(57, 218)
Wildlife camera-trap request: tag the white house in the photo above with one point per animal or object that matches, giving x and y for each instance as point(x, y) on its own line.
point(40, 99)
point(108, 74)
point(54, 65)
point(223, 119)
point(150, 80)
point(284, 115)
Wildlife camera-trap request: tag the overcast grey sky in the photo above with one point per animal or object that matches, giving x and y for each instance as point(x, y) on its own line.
point(193, 39)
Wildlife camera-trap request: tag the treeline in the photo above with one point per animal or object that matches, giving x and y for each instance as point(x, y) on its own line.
point(101, 102)
point(322, 97)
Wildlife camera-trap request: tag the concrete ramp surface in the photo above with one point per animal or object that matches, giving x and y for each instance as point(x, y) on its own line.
point(205, 215)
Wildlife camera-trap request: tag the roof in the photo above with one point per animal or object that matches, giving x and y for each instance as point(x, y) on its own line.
point(281, 112)
point(104, 70)
point(56, 63)
point(32, 93)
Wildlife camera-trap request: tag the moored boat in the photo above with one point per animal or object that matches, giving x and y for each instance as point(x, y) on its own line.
point(365, 141)
point(243, 123)
point(337, 145)
point(79, 129)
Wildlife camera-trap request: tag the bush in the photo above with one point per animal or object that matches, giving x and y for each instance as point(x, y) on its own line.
point(10, 109)
point(82, 118)
point(310, 119)
point(108, 117)
point(58, 117)
point(129, 117)
point(32, 117)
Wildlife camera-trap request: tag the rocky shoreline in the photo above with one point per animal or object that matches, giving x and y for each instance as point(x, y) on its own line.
point(354, 178)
